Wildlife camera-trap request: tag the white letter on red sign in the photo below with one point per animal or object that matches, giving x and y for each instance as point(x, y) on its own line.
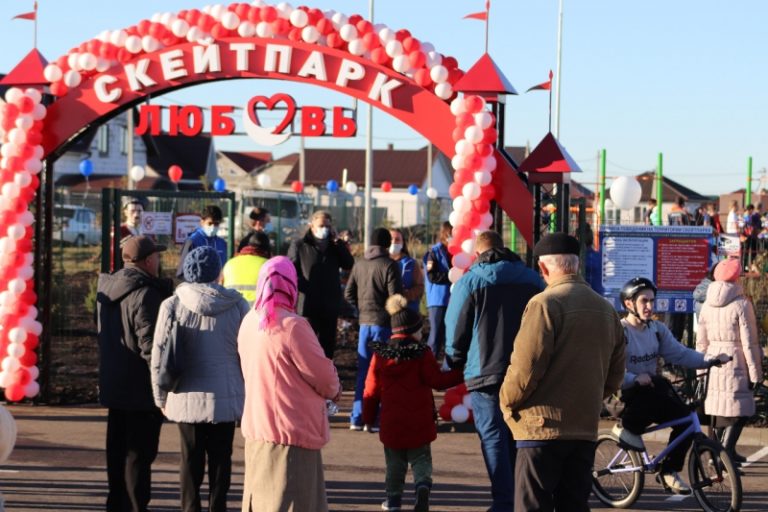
point(270, 59)
point(349, 70)
point(100, 88)
point(137, 75)
point(173, 65)
point(241, 51)
point(206, 59)
point(381, 89)
point(314, 66)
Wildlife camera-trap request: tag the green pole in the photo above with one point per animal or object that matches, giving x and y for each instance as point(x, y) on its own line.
point(749, 182)
point(659, 188)
point(602, 186)
point(513, 236)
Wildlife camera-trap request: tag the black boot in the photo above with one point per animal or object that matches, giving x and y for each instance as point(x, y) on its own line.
point(422, 498)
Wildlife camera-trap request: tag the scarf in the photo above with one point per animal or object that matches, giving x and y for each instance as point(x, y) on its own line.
point(276, 288)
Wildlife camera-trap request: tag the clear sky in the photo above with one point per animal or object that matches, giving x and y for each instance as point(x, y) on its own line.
point(686, 78)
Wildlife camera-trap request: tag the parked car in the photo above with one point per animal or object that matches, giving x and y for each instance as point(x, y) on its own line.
point(75, 225)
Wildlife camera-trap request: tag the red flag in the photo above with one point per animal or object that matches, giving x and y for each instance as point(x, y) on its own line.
point(32, 16)
point(544, 86)
point(482, 16)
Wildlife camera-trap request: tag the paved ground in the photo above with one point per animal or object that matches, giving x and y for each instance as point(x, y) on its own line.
point(58, 464)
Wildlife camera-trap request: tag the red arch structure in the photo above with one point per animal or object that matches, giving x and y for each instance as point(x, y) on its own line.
point(391, 70)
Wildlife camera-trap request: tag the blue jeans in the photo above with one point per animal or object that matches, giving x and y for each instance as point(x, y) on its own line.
point(368, 334)
point(498, 447)
point(436, 339)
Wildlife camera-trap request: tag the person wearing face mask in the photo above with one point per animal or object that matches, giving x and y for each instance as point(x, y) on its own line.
point(205, 236)
point(318, 256)
point(410, 273)
point(437, 263)
point(261, 222)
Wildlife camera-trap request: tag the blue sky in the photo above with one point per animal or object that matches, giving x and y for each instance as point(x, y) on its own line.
point(680, 77)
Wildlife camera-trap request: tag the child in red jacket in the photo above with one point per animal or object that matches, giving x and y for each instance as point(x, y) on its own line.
point(401, 377)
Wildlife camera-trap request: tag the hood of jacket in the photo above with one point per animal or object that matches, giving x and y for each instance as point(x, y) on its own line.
point(207, 299)
point(401, 349)
point(499, 266)
point(115, 287)
point(722, 293)
point(376, 251)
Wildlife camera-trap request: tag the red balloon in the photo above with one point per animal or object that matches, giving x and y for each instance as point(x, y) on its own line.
point(379, 56)
point(461, 233)
point(454, 249)
point(10, 111)
point(474, 104)
point(463, 176)
point(386, 186)
point(28, 359)
point(219, 32)
point(295, 34)
point(471, 219)
point(454, 190)
point(411, 44)
point(315, 15)
point(157, 30)
point(450, 63)
point(487, 193)
point(14, 393)
point(281, 26)
point(417, 59)
point(354, 19)
point(143, 27)
point(334, 40)
point(457, 134)
point(454, 75)
point(297, 186)
point(174, 173)
point(32, 341)
point(325, 26)
point(241, 9)
point(254, 14)
point(445, 411)
point(421, 77)
point(484, 150)
point(26, 105)
point(465, 120)
point(371, 40)
point(402, 34)
point(490, 135)
point(481, 206)
point(206, 22)
point(268, 14)
point(364, 26)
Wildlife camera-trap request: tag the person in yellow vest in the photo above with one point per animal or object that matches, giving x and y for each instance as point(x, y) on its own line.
point(241, 273)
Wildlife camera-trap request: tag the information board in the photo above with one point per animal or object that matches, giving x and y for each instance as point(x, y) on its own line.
point(676, 258)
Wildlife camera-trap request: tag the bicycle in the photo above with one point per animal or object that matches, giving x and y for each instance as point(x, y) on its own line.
point(618, 474)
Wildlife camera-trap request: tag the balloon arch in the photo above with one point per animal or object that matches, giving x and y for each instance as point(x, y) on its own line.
point(390, 69)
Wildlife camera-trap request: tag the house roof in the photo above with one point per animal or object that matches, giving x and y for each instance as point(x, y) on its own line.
point(670, 189)
point(189, 153)
point(28, 72)
point(485, 77)
point(250, 160)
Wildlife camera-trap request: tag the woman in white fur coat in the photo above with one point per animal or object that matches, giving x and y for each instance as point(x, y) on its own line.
point(727, 325)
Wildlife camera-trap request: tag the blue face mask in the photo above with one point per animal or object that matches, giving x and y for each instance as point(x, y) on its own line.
point(268, 227)
point(210, 230)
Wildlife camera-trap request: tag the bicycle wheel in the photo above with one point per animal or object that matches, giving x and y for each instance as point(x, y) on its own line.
point(714, 479)
point(617, 474)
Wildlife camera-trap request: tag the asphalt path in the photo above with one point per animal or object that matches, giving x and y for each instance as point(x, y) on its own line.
point(58, 464)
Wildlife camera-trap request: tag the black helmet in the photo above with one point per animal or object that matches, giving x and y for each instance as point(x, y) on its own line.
point(635, 286)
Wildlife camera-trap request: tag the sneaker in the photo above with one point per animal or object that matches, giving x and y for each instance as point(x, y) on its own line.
point(627, 439)
point(422, 499)
point(674, 483)
point(356, 428)
point(372, 429)
point(392, 503)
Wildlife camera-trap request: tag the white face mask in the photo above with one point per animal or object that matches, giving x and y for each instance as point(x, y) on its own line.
point(321, 232)
point(395, 249)
point(210, 230)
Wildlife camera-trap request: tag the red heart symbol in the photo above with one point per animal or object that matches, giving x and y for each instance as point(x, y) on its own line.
point(270, 103)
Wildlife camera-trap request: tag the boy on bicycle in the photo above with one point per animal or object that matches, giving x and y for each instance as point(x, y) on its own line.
point(649, 397)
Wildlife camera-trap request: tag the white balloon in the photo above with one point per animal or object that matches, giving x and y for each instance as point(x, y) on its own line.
point(264, 180)
point(483, 119)
point(31, 389)
point(73, 59)
point(246, 29)
point(464, 148)
point(483, 178)
point(310, 34)
point(23, 179)
point(625, 192)
point(473, 134)
point(34, 95)
point(17, 136)
point(26, 219)
point(457, 106)
point(444, 91)
point(386, 35)
point(149, 44)
point(26, 272)
point(9, 149)
point(35, 328)
point(455, 274)
point(10, 191)
point(167, 18)
point(488, 164)
point(299, 18)
point(438, 74)
point(10, 364)
point(15, 231)
point(471, 191)
point(461, 204)
point(351, 188)
point(87, 61)
point(264, 29)
point(34, 372)
point(230, 20)
point(339, 20)
point(486, 220)
point(393, 48)
point(459, 414)
point(17, 335)
point(179, 27)
point(453, 218)
point(432, 193)
point(16, 287)
point(118, 37)
point(102, 65)
point(356, 47)
point(467, 401)
point(29, 259)
point(137, 172)
point(284, 10)
point(52, 73)
point(6, 379)
point(462, 261)
point(401, 64)
point(217, 11)
point(33, 166)
point(133, 44)
point(16, 350)
point(194, 34)
point(348, 32)
point(24, 122)
point(457, 162)
point(39, 152)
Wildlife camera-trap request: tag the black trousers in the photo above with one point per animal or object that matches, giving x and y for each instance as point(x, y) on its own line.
point(132, 442)
point(555, 476)
point(325, 328)
point(197, 441)
point(656, 404)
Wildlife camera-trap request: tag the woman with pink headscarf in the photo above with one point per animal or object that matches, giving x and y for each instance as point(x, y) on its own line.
point(287, 382)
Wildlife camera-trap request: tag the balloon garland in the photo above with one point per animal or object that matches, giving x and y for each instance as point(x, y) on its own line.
point(457, 405)
point(21, 124)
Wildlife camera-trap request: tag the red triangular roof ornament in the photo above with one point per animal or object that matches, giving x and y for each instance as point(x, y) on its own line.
point(549, 156)
point(484, 77)
point(28, 72)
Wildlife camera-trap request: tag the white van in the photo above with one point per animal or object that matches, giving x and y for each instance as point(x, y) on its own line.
point(75, 225)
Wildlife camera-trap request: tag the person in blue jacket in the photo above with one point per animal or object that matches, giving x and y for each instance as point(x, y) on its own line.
point(481, 323)
point(205, 236)
point(437, 263)
point(410, 272)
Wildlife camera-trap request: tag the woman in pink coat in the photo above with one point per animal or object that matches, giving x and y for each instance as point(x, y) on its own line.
point(727, 325)
point(287, 381)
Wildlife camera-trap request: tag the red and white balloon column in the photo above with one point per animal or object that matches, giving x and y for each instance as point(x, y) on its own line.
point(21, 124)
point(472, 189)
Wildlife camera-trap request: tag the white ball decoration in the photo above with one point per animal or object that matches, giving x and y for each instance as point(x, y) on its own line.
point(339, 20)
point(394, 48)
point(33, 166)
point(386, 35)
point(10, 364)
point(458, 107)
point(263, 180)
point(26, 272)
point(310, 34)
point(17, 136)
point(194, 34)
point(217, 11)
point(52, 73)
point(24, 122)
point(23, 179)
point(473, 134)
point(246, 29)
point(34, 372)
point(230, 20)
point(87, 61)
point(486, 220)
point(179, 27)
point(137, 172)
point(438, 74)
point(432, 193)
point(16, 287)
point(351, 188)
point(34, 95)
point(149, 44)
point(133, 44)
point(17, 335)
point(483, 178)
point(102, 65)
point(401, 64)
point(31, 389)
point(455, 274)
point(13, 95)
point(464, 148)
point(15, 350)
point(10, 190)
point(471, 191)
point(7, 426)
point(264, 29)
point(457, 162)
point(467, 401)
point(488, 164)
point(356, 47)
point(15, 231)
point(6, 379)
point(483, 119)
point(444, 91)
point(459, 414)
point(462, 261)
point(625, 192)
point(118, 38)
point(299, 18)
point(453, 218)
point(27, 218)
point(348, 32)
point(461, 204)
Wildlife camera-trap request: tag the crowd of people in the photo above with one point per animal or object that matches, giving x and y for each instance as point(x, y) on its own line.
point(251, 339)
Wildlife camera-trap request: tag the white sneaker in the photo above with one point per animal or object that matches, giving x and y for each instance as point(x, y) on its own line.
point(627, 439)
point(371, 429)
point(356, 428)
point(675, 484)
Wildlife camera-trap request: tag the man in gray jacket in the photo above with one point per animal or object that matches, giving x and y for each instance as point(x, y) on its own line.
point(127, 306)
point(374, 278)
